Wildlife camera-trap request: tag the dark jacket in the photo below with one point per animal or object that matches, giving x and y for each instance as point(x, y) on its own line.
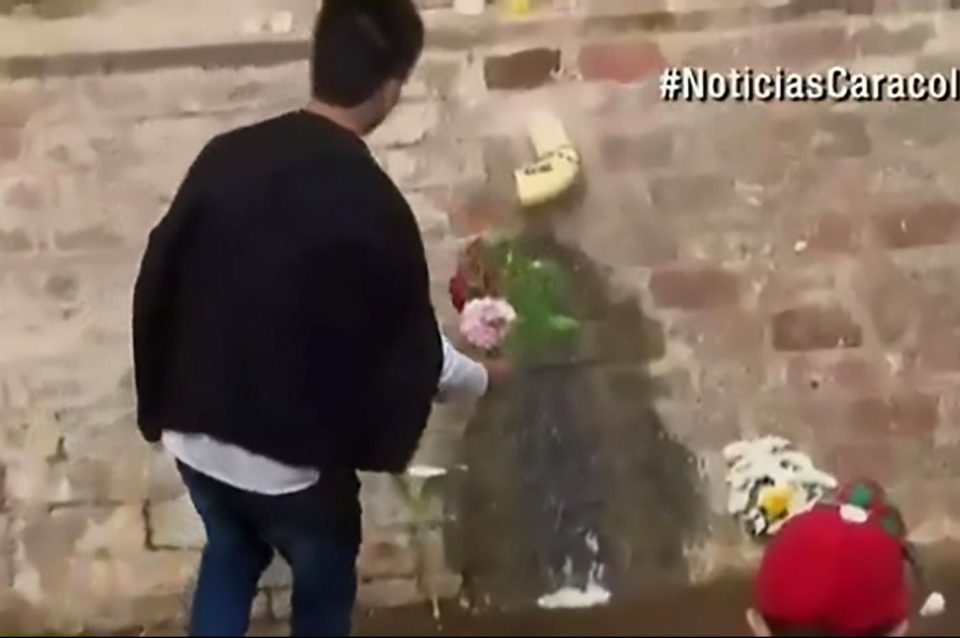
point(283, 303)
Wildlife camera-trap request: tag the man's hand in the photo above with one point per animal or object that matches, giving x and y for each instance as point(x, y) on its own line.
point(499, 372)
point(458, 341)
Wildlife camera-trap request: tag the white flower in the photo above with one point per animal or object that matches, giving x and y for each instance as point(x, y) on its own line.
point(766, 467)
point(854, 514)
point(935, 605)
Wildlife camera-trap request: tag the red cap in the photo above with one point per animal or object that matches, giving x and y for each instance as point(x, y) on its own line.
point(834, 569)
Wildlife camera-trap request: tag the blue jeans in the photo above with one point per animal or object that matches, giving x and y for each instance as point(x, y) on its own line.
point(317, 531)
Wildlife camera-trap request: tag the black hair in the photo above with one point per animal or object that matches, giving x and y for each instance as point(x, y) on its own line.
point(785, 630)
point(360, 44)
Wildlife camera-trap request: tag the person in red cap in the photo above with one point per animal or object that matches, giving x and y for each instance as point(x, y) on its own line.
point(840, 569)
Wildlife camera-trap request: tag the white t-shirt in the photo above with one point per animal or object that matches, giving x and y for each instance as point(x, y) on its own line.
point(244, 470)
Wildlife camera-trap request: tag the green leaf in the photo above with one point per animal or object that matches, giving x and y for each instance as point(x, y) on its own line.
point(536, 289)
point(564, 324)
point(862, 497)
point(891, 524)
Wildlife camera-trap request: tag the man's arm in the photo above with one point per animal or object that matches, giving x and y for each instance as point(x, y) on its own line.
point(153, 298)
point(461, 375)
point(409, 355)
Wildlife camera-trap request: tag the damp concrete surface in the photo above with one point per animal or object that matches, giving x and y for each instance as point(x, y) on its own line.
point(716, 610)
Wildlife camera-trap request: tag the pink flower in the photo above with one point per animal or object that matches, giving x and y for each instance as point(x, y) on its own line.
point(485, 322)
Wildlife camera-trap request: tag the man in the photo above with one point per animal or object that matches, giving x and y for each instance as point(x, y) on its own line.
point(841, 569)
point(284, 336)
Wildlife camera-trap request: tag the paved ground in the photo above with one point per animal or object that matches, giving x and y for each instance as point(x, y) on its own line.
point(717, 611)
point(713, 611)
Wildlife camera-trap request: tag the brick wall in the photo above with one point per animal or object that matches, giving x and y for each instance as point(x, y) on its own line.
point(797, 259)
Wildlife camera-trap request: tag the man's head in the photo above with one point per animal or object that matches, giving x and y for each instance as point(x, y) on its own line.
point(837, 570)
point(363, 52)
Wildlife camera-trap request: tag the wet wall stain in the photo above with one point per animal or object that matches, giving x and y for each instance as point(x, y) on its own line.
point(574, 448)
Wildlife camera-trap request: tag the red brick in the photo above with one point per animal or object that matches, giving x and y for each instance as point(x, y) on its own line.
point(385, 557)
point(831, 373)
point(783, 287)
point(723, 333)
point(521, 70)
point(938, 334)
point(939, 350)
point(112, 93)
point(62, 287)
point(937, 285)
point(92, 238)
point(904, 413)
point(950, 413)
point(831, 234)
point(919, 125)
point(14, 241)
point(800, 45)
point(857, 459)
point(844, 135)
point(848, 186)
point(626, 235)
point(878, 40)
point(835, 234)
point(649, 243)
point(694, 288)
point(815, 327)
point(951, 497)
point(879, 281)
point(621, 62)
point(18, 105)
point(920, 498)
point(856, 374)
point(805, 7)
point(720, 56)
point(474, 212)
point(675, 384)
point(25, 195)
point(929, 225)
point(691, 194)
point(791, 46)
point(9, 144)
point(860, 7)
point(912, 6)
point(439, 76)
point(653, 150)
point(500, 160)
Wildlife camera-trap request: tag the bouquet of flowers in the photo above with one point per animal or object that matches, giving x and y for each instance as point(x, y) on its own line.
point(505, 297)
point(771, 482)
point(486, 317)
point(486, 322)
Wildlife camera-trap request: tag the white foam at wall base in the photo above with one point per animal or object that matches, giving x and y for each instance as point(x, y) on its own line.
point(572, 598)
point(425, 471)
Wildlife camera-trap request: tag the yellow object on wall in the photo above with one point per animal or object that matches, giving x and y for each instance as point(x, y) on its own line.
point(557, 165)
point(517, 7)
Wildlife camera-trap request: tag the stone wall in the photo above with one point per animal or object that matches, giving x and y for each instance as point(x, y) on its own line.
point(795, 260)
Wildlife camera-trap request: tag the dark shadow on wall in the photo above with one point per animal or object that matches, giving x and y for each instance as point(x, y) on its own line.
point(570, 471)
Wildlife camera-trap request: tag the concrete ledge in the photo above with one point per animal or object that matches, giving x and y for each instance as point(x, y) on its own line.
point(256, 54)
point(447, 31)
